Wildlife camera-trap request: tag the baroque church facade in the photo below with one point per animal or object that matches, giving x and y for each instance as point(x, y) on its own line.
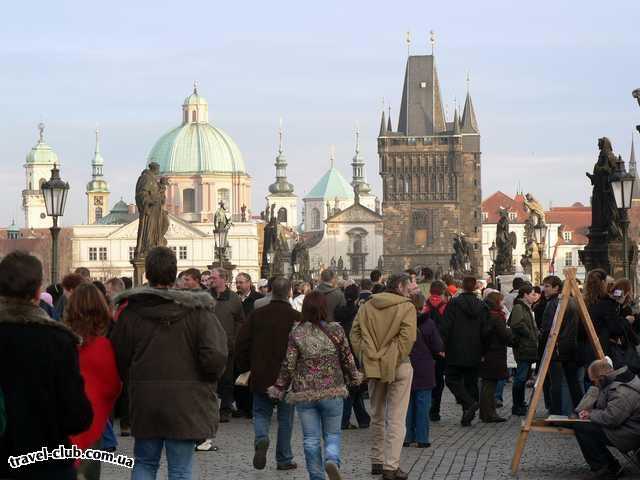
point(431, 172)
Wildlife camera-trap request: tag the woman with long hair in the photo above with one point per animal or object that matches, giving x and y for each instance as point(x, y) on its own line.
point(318, 367)
point(88, 315)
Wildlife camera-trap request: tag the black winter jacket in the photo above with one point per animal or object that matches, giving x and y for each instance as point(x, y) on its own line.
point(462, 330)
point(43, 390)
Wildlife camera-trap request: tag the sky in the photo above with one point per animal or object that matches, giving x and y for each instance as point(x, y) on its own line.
point(548, 78)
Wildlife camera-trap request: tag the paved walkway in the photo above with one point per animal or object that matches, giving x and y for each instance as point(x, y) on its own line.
point(479, 452)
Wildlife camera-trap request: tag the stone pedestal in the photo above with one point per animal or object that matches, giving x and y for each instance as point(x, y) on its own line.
point(138, 272)
point(596, 253)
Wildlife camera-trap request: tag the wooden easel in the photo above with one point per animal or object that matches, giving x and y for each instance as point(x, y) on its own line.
point(530, 424)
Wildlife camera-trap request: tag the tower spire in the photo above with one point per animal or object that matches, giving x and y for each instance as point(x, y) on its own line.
point(195, 87)
point(41, 134)
point(281, 186)
point(407, 39)
point(332, 154)
point(97, 140)
point(358, 181)
point(389, 126)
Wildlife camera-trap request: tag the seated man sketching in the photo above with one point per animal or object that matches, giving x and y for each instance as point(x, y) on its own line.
point(614, 415)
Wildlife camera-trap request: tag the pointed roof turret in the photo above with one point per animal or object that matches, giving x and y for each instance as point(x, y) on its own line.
point(421, 111)
point(383, 125)
point(456, 123)
point(281, 185)
point(469, 122)
point(389, 126)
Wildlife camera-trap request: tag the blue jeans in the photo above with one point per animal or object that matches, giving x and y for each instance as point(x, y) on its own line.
point(320, 421)
point(108, 437)
point(500, 390)
point(418, 417)
point(519, 387)
point(147, 453)
point(262, 412)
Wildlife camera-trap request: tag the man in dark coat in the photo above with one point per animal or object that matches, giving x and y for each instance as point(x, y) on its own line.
point(40, 379)
point(260, 349)
point(462, 328)
point(247, 293)
point(171, 350)
point(248, 296)
point(335, 297)
point(229, 311)
point(564, 363)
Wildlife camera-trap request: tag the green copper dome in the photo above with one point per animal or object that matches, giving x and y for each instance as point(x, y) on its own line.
point(196, 146)
point(331, 185)
point(97, 186)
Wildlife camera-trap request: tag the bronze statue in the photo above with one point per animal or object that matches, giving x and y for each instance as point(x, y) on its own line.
point(604, 213)
point(153, 219)
point(505, 243)
point(461, 254)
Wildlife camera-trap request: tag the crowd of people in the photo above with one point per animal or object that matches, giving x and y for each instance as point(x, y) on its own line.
point(170, 361)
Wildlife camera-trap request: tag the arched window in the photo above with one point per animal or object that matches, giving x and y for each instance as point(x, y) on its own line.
point(282, 215)
point(98, 213)
point(194, 116)
point(315, 219)
point(223, 196)
point(188, 200)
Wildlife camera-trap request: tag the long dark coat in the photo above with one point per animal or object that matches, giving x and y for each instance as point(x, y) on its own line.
point(497, 338)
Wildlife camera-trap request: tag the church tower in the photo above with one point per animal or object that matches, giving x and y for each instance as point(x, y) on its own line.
point(430, 172)
point(97, 188)
point(40, 160)
point(281, 192)
point(359, 181)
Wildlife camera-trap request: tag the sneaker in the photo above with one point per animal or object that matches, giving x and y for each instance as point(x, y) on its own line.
point(495, 420)
point(499, 404)
point(423, 445)
point(206, 446)
point(376, 469)
point(287, 466)
point(260, 455)
point(333, 471)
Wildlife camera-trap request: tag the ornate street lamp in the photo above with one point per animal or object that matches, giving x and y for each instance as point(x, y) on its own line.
point(467, 266)
point(55, 192)
point(492, 255)
point(540, 237)
point(622, 184)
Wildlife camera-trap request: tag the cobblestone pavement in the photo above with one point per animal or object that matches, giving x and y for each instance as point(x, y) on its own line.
point(479, 452)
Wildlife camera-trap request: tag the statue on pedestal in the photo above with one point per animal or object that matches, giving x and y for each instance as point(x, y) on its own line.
point(461, 254)
point(604, 212)
point(150, 200)
point(535, 209)
point(505, 243)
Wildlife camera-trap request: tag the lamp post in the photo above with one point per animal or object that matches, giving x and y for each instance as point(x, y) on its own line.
point(540, 234)
point(622, 184)
point(492, 255)
point(55, 192)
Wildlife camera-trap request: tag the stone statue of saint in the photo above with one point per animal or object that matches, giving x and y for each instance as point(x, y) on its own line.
point(604, 213)
point(243, 213)
point(333, 263)
point(461, 254)
point(340, 264)
point(505, 243)
point(534, 208)
point(525, 261)
point(153, 221)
